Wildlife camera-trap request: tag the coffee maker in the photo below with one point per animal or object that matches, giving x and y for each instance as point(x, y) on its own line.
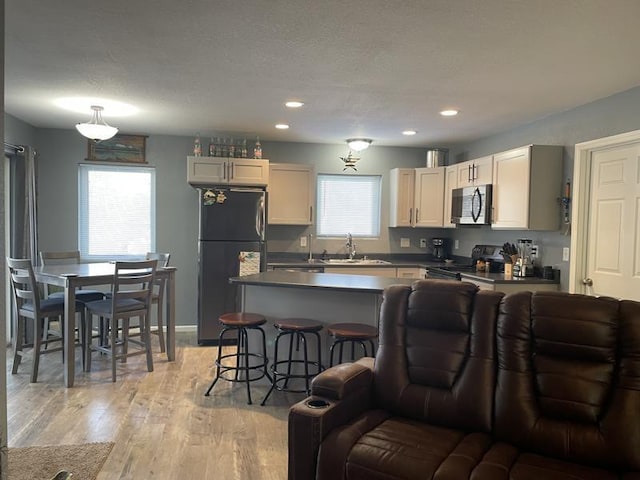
point(439, 246)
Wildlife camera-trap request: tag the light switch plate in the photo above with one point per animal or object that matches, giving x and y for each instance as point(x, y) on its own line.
point(456, 244)
point(303, 241)
point(423, 243)
point(405, 242)
point(565, 254)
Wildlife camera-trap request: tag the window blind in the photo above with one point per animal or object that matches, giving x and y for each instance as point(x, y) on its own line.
point(116, 211)
point(348, 204)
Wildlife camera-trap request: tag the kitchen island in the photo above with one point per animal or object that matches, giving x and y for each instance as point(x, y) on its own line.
point(325, 297)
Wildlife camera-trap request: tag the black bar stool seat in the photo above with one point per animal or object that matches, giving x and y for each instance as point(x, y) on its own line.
point(295, 328)
point(249, 366)
point(351, 333)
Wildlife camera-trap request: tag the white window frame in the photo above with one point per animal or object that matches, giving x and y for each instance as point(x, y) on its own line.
point(320, 208)
point(84, 170)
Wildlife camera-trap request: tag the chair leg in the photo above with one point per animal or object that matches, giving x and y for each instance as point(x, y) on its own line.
point(163, 347)
point(37, 345)
point(147, 340)
point(220, 338)
point(17, 343)
point(113, 336)
point(88, 340)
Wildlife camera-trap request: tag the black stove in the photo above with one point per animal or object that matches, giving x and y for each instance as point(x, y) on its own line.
point(489, 253)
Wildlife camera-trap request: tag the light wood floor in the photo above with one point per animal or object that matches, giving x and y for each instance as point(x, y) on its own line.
point(162, 424)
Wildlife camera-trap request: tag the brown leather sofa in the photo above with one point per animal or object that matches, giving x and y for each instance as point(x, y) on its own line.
point(471, 384)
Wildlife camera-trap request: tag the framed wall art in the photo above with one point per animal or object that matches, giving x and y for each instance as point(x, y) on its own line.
point(121, 148)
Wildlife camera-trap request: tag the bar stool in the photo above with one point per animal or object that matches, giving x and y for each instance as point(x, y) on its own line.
point(351, 333)
point(241, 323)
point(295, 328)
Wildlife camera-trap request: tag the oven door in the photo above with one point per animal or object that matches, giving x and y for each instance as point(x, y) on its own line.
point(442, 274)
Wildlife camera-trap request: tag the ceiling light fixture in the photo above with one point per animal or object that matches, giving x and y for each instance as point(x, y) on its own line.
point(282, 126)
point(449, 113)
point(293, 104)
point(409, 132)
point(96, 129)
point(359, 144)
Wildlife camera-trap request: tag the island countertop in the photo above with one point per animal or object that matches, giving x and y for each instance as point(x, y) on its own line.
point(326, 281)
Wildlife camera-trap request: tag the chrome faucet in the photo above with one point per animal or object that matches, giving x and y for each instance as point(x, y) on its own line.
point(351, 247)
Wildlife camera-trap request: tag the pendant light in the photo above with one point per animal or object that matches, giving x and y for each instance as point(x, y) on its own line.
point(96, 129)
point(359, 144)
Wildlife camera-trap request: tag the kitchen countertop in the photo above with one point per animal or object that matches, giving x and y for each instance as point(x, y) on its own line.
point(329, 281)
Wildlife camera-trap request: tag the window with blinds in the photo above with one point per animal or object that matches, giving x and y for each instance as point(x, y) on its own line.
point(116, 211)
point(348, 204)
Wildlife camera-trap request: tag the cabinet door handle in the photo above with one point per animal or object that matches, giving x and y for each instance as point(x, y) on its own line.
point(410, 216)
point(417, 216)
point(468, 173)
point(475, 172)
point(231, 170)
point(224, 171)
point(311, 213)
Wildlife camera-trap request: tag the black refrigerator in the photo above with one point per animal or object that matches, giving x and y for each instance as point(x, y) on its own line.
point(231, 243)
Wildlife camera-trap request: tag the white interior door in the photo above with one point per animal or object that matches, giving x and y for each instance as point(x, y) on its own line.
point(605, 242)
point(614, 223)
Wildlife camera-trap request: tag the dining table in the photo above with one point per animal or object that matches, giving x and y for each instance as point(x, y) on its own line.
point(77, 275)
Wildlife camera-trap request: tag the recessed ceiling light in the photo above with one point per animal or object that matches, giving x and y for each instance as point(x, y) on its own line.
point(409, 132)
point(282, 126)
point(449, 113)
point(111, 108)
point(294, 104)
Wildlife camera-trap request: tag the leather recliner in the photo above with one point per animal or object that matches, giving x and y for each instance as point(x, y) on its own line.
point(471, 384)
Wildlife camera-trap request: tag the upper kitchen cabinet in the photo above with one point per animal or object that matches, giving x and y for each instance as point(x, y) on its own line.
point(429, 197)
point(526, 186)
point(291, 194)
point(450, 184)
point(227, 171)
point(401, 192)
point(417, 197)
point(475, 172)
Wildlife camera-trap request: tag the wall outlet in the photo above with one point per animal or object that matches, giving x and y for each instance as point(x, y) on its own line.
point(565, 254)
point(303, 241)
point(535, 252)
point(423, 243)
point(405, 242)
point(456, 244)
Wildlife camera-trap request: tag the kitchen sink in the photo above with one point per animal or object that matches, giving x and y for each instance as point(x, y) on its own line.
point(356, 261)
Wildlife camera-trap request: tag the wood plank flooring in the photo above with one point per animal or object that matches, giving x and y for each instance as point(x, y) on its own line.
point(162, 424)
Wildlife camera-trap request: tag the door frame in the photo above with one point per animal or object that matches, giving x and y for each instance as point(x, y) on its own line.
point(581, 199)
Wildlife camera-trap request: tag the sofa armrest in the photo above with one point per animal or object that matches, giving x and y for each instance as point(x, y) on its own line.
point(340, 394)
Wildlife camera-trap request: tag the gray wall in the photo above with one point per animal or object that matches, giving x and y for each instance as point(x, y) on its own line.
point(602, 118)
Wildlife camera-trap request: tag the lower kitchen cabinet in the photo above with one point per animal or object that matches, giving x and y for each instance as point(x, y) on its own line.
point(376, 271)
point(512, 287)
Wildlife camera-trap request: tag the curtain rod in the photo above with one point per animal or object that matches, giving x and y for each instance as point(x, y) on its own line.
point(17, 148)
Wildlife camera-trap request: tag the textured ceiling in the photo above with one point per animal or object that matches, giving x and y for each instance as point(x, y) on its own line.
point(363, 67)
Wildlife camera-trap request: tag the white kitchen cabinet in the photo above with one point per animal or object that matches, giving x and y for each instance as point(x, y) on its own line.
point(429, 197)
point(375, 271)
point(475, 172)
point(450, 184)
point(402, 193)
point(527, 183)
point(227, 171)
point(512, 287)
point(410, 272)
point(417, 197)
point(291, 194)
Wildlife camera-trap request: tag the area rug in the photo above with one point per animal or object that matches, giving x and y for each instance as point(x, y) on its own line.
point(42, 463)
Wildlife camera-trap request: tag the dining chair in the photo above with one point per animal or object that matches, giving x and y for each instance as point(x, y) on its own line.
point(29, 305)
point(157, 297)
point(130, 297)
point(67, 258)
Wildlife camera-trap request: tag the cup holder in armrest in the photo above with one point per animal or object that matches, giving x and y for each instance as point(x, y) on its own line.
point(317, 403)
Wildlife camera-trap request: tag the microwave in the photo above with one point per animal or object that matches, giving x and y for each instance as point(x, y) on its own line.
point(471, 205)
